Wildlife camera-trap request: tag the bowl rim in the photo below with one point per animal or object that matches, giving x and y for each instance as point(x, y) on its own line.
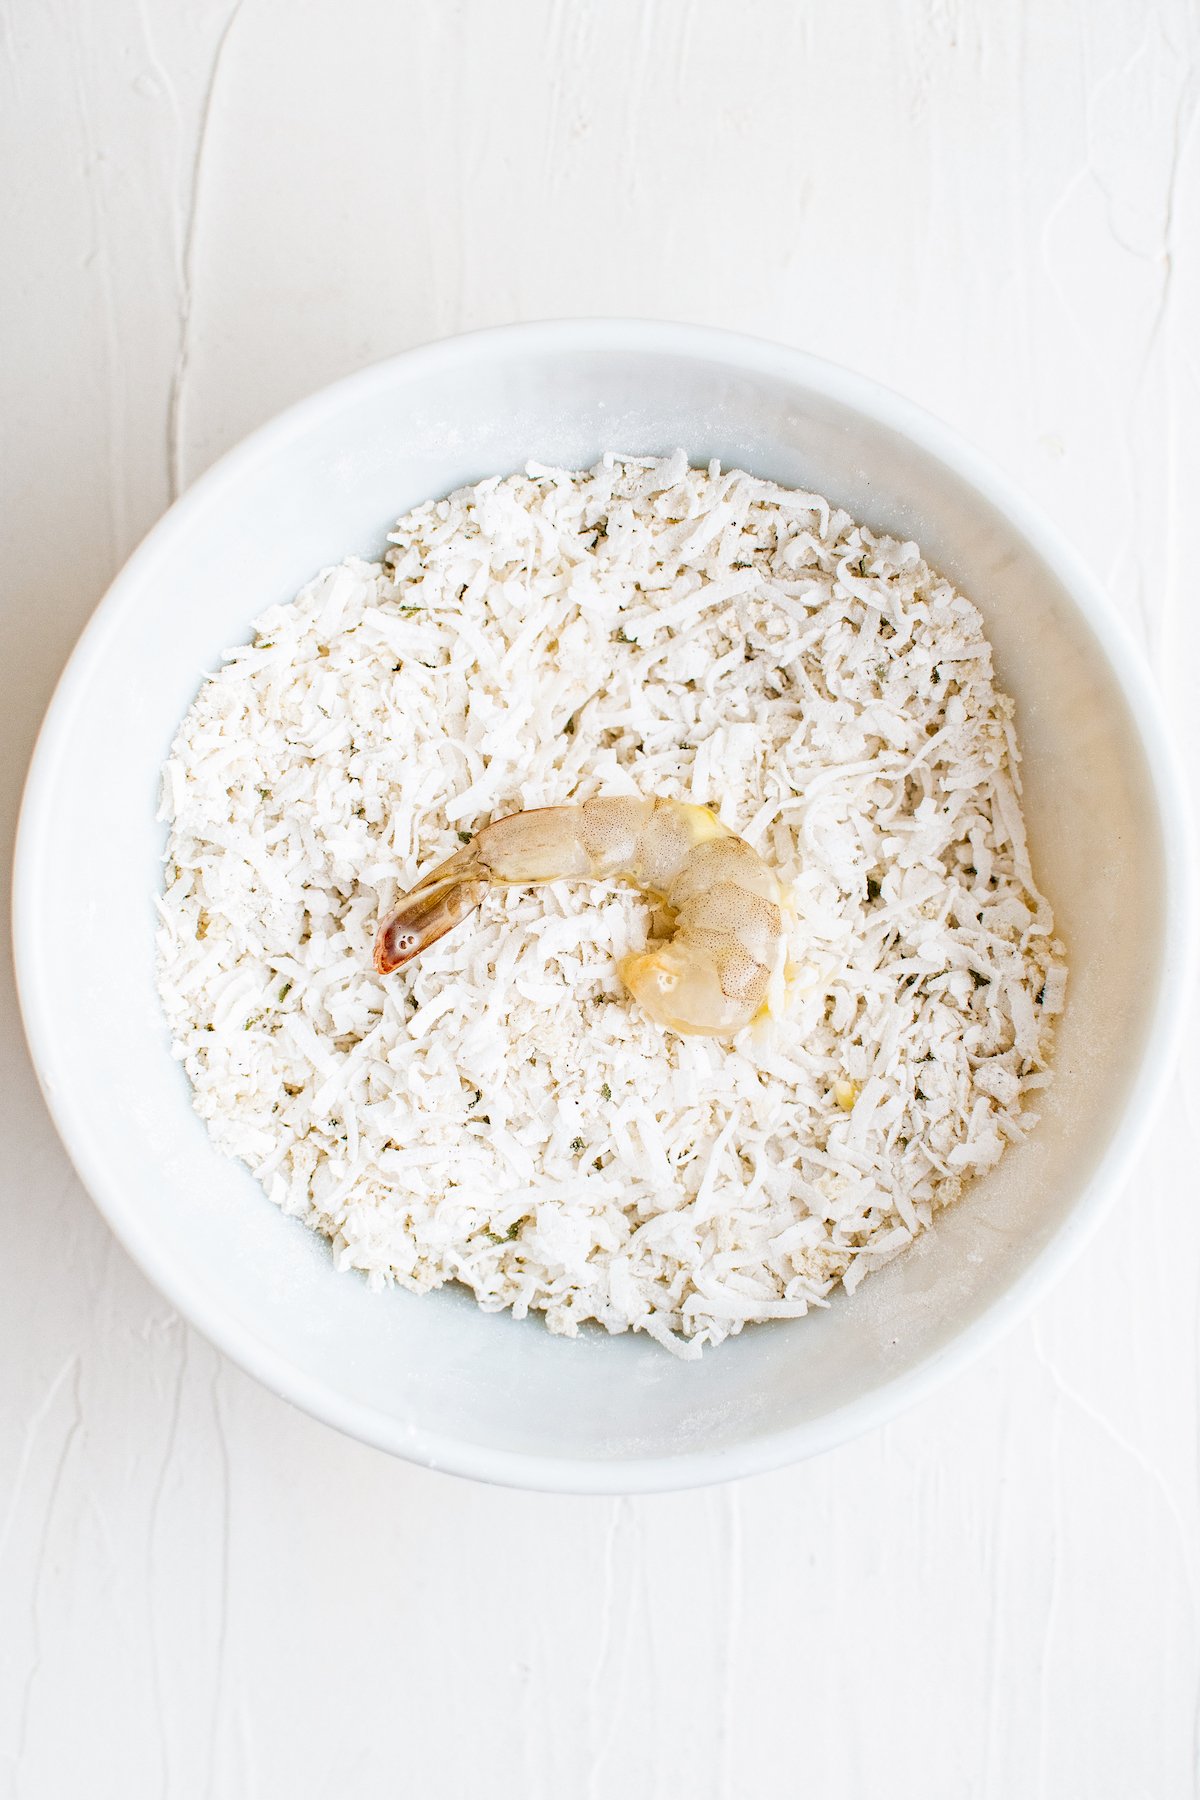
point(698, 1467)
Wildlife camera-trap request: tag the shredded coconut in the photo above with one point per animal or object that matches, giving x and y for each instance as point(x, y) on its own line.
point(501, 1114)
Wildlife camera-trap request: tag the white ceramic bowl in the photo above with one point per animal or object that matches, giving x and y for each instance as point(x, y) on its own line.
point(434, 1379)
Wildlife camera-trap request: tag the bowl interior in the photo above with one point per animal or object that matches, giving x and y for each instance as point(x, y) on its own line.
point(434, 1377)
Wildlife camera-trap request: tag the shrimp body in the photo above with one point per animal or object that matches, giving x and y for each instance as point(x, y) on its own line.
point(709, 977)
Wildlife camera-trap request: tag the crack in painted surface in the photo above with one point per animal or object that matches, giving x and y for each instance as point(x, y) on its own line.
point(177, 402)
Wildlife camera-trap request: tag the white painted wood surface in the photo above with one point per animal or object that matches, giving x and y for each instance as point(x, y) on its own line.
point(213, 208)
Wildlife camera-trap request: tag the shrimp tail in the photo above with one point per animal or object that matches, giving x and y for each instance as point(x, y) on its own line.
point(440, 901)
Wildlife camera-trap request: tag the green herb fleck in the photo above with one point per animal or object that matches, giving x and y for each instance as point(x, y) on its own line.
point(514, 1231)
point(464, 837)
point(873, 889)
point(569, 727)
point(285, 990)
point(578, 1144)
point(606, 1092)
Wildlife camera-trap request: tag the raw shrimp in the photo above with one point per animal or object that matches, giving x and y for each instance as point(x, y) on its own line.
point(709, 977)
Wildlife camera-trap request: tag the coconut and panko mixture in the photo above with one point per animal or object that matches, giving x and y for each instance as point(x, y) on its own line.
point(501, 1114)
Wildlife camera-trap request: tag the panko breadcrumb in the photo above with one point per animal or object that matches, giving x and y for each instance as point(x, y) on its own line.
point(501, 1115)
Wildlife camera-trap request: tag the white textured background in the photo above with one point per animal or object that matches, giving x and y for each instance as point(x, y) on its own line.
point(212, 209)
